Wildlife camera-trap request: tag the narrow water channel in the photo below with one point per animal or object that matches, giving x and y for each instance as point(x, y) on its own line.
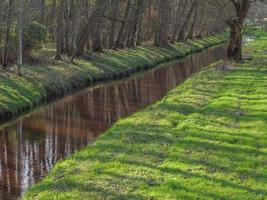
point(30, 146)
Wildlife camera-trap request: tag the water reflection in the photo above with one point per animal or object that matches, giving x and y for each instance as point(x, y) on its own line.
point(30, 147)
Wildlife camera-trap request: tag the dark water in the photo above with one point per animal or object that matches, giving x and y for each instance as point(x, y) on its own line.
point(30, 146)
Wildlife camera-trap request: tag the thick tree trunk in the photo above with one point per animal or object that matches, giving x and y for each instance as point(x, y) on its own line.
point(234, 49)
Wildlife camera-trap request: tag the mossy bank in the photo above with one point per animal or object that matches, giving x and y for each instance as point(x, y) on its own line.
point(206, 140)
point(42, 83)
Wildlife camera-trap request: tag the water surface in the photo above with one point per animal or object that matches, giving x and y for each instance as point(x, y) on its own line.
point(30, 146)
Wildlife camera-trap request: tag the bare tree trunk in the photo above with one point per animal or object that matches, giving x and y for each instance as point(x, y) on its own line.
point(73, 25)
point(53, 18)
point(97, 36)
point(60, 35)
point(87, 27)
point(181, 36)
point(114, 15)
point(120, 42)
point(140, 34)
point(179, 14)
point(234, 48)
point(7, 35)
point(161, 38)
point(201, 28)
point(191, 31)
point(20, 36)
point(42, 11)
point(67, 26)
point(137, 22)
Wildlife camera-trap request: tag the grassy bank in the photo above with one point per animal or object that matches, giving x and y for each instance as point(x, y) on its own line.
point(206, 140)
point(40, 83)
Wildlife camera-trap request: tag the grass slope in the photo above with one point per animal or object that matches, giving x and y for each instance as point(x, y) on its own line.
point(42, 82)
point(206, 140)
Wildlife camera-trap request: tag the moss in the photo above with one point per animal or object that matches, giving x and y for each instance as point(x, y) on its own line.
point(41, 83)
point(205, 140)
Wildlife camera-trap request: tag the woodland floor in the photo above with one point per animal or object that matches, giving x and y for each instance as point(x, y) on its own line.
point(206, 140)
point(48, 80)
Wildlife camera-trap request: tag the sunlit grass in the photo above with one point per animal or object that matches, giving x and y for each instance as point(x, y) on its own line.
point(206, 140)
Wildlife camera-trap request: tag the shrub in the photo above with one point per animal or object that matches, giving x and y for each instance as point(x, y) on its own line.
point(33, 37)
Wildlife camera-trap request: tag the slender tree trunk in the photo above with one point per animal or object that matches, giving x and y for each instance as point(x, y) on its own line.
point(179, 13)
point(161, 38)
point(53, 18)
point(7, 35)
point(73, 25)
point(120, 42)
point(191, 31)
point(98, 29)
point(114, 15)
point(60, 35)
point(181, 36)
point(42, 11)
point(137, 22)
point(201, 28)
point(140, 33)
point(20, 36)
point(87, 27)
point(97, 36)
point(67, 26)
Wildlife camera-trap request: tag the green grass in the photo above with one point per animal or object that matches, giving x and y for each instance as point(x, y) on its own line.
point(42, 82)
point(255, 32)
point(206, 139)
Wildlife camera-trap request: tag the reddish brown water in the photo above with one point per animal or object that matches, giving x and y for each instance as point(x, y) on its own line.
point(30, 146)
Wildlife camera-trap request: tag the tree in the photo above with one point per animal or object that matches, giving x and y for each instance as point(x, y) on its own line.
point(233, 13)
point(75, 26)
